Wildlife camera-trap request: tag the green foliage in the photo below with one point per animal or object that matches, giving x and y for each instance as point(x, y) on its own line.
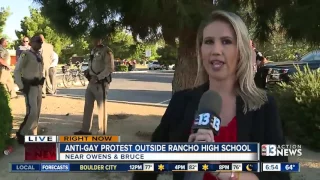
point(4, 14)
point(122, 44)
point(279, 47)
point(297, 18)
point(6, 119)
point(122, 68)
point(180, 18)
point(37, 23)
point(299, 107)
point(169, 54)
point(140, 51)
point(78, 47)
point(142, 17)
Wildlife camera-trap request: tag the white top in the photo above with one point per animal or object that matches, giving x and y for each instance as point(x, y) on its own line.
point(55, 60)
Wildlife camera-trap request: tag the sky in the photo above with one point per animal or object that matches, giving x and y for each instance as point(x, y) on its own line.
point(19, 9)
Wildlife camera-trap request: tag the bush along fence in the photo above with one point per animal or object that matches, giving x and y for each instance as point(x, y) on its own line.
point(122, 68)
point(6, 119)
point(299, 107)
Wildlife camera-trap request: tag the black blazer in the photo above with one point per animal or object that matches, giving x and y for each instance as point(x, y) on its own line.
point(262, 125)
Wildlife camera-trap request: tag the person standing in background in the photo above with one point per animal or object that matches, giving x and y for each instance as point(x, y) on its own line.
point(5, 72)
point(47, 54)
point(52, 74)
point(261, 73)
point(259, 57)
point(25, 46)
point(101, 66)
point(254, 57)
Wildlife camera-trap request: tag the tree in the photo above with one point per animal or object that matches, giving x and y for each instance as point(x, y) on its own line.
point(78, 46)
point(180, 19)
point(278, 47)
point(37, 23)
point(4, 14)
point(143, 18)
point(122, 44)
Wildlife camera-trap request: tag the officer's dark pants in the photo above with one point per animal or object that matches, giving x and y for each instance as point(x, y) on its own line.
point(33, 99)
point(94, 92)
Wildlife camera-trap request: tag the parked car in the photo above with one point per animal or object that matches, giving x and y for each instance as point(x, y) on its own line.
point(280, 71)
point(154, 65)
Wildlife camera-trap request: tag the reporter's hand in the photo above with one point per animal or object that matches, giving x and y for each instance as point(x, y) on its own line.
point(202, 135)
point(227, 176)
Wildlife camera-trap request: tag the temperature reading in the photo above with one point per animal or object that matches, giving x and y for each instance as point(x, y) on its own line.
point(290, 167)
point(192, 167)
point(148, 166)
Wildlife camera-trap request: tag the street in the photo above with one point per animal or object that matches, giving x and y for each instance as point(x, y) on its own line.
point(138, 87)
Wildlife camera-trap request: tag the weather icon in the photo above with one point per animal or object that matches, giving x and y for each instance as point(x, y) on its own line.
point(249, 167)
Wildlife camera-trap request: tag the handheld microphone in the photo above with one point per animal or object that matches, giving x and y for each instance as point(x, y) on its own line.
point(207, 117)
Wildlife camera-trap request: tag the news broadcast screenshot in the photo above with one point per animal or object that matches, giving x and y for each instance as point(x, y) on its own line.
point(160, 89)
point(100, 153)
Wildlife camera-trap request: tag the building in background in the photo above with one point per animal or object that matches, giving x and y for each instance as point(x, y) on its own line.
point(12, 60)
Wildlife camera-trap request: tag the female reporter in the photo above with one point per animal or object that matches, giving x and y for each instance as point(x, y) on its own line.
point(225, 65)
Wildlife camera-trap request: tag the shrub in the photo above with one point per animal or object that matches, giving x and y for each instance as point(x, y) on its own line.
point(299, 107)
point(5, 118)
point(122, 68)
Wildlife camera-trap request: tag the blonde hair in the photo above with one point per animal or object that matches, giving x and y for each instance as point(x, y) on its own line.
point(252, 96)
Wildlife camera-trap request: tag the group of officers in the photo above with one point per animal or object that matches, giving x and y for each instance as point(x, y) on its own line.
point(30, 76)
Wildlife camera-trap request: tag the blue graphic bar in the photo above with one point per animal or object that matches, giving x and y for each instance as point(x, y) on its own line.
point(158, 147)
point(126, 167)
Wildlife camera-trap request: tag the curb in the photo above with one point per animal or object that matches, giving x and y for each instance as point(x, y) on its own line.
point(114, 101)
point(130, 72)
point(117, 72)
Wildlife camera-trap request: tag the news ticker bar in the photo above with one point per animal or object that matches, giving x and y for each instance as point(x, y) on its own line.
point(154, 167)
point(134, 152)
point(126, 167)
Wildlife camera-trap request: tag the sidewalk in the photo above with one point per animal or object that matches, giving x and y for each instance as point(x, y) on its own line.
point(128, 121)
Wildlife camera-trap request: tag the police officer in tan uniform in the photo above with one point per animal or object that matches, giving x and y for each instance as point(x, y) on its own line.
point(101, 65)
point(5, 72)
point(28, 75)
